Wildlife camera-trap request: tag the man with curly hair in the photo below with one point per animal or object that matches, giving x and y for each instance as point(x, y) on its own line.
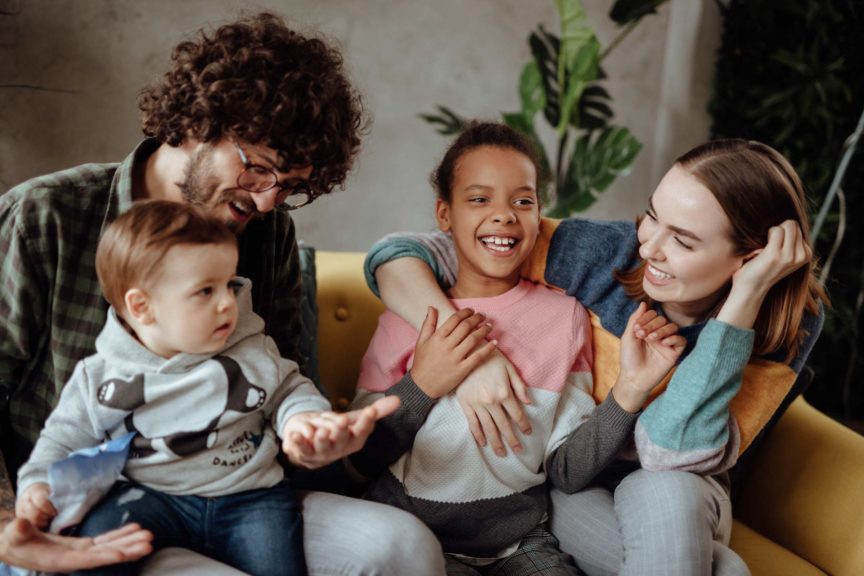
point(252, 121)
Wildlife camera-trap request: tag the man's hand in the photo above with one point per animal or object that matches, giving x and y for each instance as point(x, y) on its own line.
point(650, 346)
point(443, 357)
point(35, 506)
point(25, 546)
point(490, 397)
point(315, 439)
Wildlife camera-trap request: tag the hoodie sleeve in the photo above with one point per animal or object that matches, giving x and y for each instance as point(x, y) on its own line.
point(71, 426)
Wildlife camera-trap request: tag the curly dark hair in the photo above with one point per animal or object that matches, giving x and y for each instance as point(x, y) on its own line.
point(477, 134)
point(258, 81)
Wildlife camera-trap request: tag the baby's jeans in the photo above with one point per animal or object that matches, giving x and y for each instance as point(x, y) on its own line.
point(259, 532)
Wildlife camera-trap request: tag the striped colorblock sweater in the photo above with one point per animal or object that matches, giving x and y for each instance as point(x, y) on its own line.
point(424, 459)
point(716, 401)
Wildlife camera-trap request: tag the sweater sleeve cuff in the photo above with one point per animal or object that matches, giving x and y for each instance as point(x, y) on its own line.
point(616, 417)
point(415, 403)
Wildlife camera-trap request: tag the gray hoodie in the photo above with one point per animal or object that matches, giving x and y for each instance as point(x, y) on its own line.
point(206, 424)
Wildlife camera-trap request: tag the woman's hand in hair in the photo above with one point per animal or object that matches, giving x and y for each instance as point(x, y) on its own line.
point(650, 346)
point(785, 252)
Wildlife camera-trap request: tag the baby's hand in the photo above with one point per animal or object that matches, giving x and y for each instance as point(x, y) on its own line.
point(443, 357)
point(34, 505)
point(315, 439)
point(650, 346)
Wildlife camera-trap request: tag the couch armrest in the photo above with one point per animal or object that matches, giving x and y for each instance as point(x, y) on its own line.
point(806, 490)
point(347, 316)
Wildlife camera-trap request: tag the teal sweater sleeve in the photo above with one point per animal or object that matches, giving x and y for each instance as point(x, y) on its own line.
point(689, 426)
point(435, 249)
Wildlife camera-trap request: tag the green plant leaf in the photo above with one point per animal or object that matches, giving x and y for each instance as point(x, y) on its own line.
point(531, 92)
point(544, 48)
point(626, 11)
point(593, 111)
point(447, 123)
point(578, 58)
point(594, 165)
point(519, 122)
point(582, 70)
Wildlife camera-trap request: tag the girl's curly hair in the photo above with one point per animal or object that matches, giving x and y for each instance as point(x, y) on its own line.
point(260, 82)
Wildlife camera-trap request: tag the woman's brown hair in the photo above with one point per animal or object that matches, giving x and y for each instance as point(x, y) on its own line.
point(757, 189)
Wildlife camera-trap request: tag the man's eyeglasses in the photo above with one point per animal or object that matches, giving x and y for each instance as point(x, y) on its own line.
point(256, 178)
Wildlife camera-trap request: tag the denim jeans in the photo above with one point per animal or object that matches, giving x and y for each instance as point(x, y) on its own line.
point(258, 532)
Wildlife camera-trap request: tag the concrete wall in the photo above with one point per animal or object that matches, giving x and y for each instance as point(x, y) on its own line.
point(406, 56)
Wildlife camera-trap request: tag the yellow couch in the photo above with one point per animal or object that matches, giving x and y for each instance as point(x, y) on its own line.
point(800, 512)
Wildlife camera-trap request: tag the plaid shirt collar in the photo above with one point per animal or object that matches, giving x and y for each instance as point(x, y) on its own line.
point(120, 198)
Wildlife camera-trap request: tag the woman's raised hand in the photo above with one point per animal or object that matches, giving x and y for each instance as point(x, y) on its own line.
point(650, 346)
point(785, 252)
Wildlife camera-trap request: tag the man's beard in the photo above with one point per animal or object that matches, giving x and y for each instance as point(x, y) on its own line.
point(199, 187)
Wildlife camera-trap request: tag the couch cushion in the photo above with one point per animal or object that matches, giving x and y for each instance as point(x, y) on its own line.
point(766, 558)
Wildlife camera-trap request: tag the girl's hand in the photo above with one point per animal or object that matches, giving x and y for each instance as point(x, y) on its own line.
point(490, 398)
point(35, 506)
point(315, 439)
point(443, 357)
point(650, 346)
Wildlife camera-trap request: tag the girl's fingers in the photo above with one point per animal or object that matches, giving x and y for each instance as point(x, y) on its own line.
point(465, 328)
point(447, 328)
point(429, 324)
point(472, 341)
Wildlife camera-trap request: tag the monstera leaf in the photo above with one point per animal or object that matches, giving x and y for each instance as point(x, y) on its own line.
point(594, 165)
point(448, 122)
point(564, 81)
point(628, 11)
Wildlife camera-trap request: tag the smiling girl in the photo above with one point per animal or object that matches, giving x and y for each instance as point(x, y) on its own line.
point(490, 512)
point(723, 251)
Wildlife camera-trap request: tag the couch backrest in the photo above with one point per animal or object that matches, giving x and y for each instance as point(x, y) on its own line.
point(347, 316)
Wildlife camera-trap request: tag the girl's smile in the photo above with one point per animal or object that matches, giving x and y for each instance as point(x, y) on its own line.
point(494, 217)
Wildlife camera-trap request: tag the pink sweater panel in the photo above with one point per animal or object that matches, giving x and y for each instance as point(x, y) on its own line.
point(544, 333)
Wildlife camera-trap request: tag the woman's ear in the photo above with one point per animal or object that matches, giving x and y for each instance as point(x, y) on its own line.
point(138, 306)
point(442, 214)
point(749, 256)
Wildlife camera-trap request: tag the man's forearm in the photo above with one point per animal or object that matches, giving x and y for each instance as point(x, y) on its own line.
point(7, 495)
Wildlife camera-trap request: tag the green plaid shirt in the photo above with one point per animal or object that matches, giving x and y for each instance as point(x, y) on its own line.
point(50, 301)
